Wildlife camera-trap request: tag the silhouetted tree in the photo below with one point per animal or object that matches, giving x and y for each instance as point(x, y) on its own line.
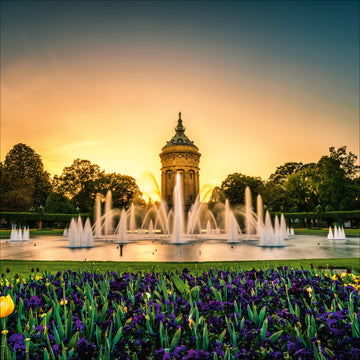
point(79, 183)
point(233, 187)
point(123, 188)
point(283, 171)
point(24, 181)
point(346, 161)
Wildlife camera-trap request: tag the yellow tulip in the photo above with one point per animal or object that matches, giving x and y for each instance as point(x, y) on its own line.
point(6, 306)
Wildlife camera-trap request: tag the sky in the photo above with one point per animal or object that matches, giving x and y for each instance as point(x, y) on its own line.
point(258, 83)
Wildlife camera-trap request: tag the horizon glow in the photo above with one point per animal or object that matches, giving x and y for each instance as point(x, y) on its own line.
point(258, 83)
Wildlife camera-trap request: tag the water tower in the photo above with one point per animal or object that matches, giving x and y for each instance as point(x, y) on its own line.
point(180, 155)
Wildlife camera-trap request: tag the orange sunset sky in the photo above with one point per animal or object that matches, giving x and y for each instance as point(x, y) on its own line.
point(258, 83)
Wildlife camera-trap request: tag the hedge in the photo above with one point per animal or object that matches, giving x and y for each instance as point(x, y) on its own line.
point(20, 217)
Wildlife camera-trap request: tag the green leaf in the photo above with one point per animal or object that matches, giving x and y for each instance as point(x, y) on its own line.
point(195, 292)
point(263, 330)
point(227, 354)
point(179, 283)
point(250, 313)
point(222, 336)
point(46, 355)
point(69, 324)
point(98, 336)
point(175, 340)
point(116, 338)
point(274, 337)
point(329, 352)
point(216, 293)
point(56, 335)
point(103, 311)
point(205, 343)
point(74, 341)
point(262, 315)
point(71, 353)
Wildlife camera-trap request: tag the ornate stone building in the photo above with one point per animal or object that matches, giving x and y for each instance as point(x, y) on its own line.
point(180, 155)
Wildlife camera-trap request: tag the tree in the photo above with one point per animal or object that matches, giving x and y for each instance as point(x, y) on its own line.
point(28, 182)
point(334, 186)
point(283, 171)
point(16, 194)
point(79, 183)
point(58, 204)
point(346, 161)
point(217, 195)
point(274, 196)
point(233, 187)
point(123, 188)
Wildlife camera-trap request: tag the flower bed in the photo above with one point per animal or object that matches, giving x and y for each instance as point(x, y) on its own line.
point(279, 313)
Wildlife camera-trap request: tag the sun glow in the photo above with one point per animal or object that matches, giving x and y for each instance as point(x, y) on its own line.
point(110, 91)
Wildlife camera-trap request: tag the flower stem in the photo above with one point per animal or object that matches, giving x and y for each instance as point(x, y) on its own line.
point(3, 339)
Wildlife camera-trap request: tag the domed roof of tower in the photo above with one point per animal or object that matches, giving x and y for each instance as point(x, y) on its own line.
point(180, 138)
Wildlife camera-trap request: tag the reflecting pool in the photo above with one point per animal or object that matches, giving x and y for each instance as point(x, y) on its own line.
point(297, 247)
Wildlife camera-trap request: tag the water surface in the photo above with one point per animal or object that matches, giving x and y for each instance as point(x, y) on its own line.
point(297, 247)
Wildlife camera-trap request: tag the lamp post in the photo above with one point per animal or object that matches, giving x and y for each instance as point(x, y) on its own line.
point(41, 213)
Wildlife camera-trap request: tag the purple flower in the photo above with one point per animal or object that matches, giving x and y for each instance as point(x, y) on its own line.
point(196, 354)
point(17, 341)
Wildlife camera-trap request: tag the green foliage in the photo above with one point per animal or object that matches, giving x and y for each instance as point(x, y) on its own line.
point(301, 189)
point(23, 181)
point(331, 184)
point(19, 217)
point(325, 218)
point(233, 187)
point(283, 171)
point(16, 194)
point(346, 161)
point(58, 204)
point(81, 181)
point(123, 188)
point(27, 217)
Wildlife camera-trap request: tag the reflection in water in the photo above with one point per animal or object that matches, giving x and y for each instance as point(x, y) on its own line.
point(299, 247)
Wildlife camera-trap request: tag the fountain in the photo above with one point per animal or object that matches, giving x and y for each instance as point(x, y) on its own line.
point(272, 236)
point(97, 216)
point(19, 235)
point(175, 227)
point(79, 235)
point(248, 213)
point(337, 234)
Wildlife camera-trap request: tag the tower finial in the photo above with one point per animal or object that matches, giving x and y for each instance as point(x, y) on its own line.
point(180, 115)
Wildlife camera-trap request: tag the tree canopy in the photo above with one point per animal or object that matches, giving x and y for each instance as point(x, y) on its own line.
point(23, 180)
point(233, 188)
point(81, 181)
point(330, 184)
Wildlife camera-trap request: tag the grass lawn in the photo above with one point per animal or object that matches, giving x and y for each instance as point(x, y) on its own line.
point(313, 231)
point(24, 268)
point(34, 232)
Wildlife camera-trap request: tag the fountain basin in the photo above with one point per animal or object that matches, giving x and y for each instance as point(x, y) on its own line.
point(160, 250)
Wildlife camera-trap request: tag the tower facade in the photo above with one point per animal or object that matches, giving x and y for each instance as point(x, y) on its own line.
point(180, 155)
